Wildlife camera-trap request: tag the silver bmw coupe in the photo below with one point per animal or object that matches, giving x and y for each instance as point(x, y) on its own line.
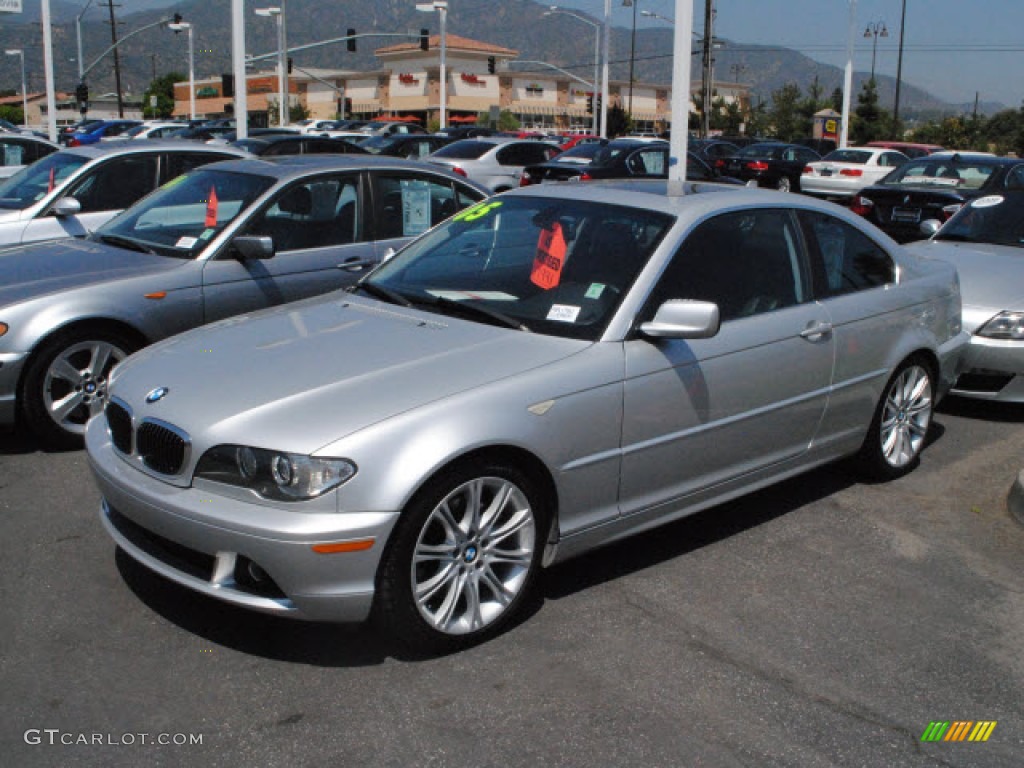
point(547, 371)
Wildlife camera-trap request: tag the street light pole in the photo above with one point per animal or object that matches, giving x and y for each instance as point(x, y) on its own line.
point(24, 94)
point(632, 52)
point(875, 29)
point(238, 68)
point(78, 34)
point(707, 89)
point(277, 12)
point(597, 56)
point(844, 129)
point(177, 27)
point(441, 6)
point(899, 72)
point(605, 89)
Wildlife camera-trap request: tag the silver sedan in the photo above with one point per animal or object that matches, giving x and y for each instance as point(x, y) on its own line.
point(225, 239)
point(985, 242)
point(544, 373)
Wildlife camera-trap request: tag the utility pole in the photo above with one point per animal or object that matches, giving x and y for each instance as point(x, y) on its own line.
point(706, 89)
point(117, 58)
point(152, 58)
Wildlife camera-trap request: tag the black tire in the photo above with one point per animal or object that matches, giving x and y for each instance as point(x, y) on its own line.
point(455, 570)
point(899, 429)
point(42, 388)
point(783, 184)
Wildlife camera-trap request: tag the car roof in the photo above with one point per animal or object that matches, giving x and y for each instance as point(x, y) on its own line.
point(971, 157)
point(130, 146)
point(699, 198)
point(298, 166)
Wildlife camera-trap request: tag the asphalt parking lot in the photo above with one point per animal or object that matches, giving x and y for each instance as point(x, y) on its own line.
point(823, 622)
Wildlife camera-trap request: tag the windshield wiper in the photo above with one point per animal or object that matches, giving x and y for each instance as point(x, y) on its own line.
point(479, 311)
point(385, 294)
point(126, 242)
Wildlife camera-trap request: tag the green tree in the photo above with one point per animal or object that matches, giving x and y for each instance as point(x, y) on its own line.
point(619, 121)
point(809, 106)
point(870, 123)
point(757, 120)
point(731, 121)
point(163, 89)
point(1004, 132)
point(11, 113)
point(837, 100)
point(784, 115)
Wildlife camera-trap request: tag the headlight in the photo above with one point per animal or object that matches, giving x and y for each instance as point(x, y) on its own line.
point(1005, 325)
point(274, 474)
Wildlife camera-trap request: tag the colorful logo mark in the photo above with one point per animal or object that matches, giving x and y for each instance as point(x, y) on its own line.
point(958, 730)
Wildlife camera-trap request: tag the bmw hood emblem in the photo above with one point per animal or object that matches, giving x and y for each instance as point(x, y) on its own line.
point(157, 394)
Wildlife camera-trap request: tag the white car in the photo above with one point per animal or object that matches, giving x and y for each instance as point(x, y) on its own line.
point(18, 150)
point(496, 162)
point(71, 192)
point(843, 173)
point(153, 130)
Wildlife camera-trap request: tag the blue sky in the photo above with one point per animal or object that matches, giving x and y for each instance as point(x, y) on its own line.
point(952, 48)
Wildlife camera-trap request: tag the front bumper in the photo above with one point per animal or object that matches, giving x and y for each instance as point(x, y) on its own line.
point(210, 543)
point(10, 371)
point(952, 360)
point(993, 369)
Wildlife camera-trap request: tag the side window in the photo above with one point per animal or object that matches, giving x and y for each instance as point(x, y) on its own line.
point(647, 162)
point(117, 184)
point(312, 214)
point(408, 204)
point(177, 163)
point(512, 155)
point(747, 263)
point(13, 153)
point(849, 260)
point(1015, 178)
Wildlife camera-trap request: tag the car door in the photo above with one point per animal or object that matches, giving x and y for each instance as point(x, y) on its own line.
point(648, 163)
point(701, 412)
point(102, 192)
point(317, 225)
point(855, 280)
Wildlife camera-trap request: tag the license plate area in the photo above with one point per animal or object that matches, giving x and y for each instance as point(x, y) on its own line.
point(906, 215)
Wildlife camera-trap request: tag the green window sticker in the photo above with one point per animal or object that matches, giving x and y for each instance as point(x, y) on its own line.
point(594, 291)
point(477, 211)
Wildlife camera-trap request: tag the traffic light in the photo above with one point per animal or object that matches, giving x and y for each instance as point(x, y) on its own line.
point(177, 20)
point(348, 107)
point(424, 39)
point(490, 65)
point(227, 86)
point(81, 93)
point(351, 42)
point(289, 65)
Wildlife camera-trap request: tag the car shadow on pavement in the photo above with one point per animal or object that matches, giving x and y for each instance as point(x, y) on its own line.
point(694, 532)
point(985, 410)
point(15, 442)
point(272, 637)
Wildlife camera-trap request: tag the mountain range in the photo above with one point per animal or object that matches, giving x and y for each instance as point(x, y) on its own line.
point(517, 24)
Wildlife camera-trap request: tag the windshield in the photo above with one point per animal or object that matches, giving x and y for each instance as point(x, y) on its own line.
point(858, 156)
point(930, 171)
point(996, 219)
point(553, 266)
point(182, 216)
point(36, 181)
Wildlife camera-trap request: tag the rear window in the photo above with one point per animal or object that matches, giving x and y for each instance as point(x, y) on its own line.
point(761, 150)
point(848, 156)
point(932, 171)
point(465, 150)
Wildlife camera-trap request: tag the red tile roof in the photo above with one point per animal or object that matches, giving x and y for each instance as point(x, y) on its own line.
point(453, 42)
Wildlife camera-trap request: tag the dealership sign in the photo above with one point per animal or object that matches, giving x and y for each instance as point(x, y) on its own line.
point(10, 6)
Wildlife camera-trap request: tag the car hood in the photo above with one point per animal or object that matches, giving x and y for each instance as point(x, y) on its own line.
point(301, 376)
point(990, 275)
point(44, 268)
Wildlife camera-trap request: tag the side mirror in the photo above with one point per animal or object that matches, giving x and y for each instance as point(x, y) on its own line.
point(66, 206)
point(683, 319)
point(930, 226)
point(253, 246)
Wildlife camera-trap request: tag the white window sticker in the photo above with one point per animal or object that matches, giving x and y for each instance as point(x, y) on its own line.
point(987, 202)
point(415, 207)
point(186, 242)
point(563, 313)
point(478, 295)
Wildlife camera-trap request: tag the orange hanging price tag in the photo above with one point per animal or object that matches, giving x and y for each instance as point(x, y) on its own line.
point(550, 258)
point(211, 209)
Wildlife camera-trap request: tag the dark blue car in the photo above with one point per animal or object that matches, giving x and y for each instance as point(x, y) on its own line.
point(105, 129)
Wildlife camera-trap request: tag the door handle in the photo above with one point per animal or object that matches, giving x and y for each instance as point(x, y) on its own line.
point(816, 331)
